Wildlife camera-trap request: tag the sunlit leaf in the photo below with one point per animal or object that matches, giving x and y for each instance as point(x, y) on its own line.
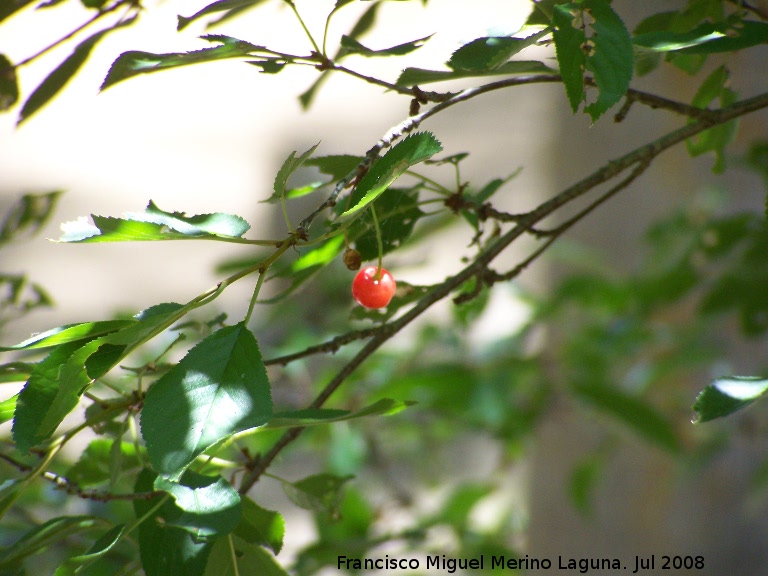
point(7, 408)
point(70, 333)
point(208, 506)
point(490, 52)
point(727, 395)
point(409, 151)
point(133, 63)
point(155, 224)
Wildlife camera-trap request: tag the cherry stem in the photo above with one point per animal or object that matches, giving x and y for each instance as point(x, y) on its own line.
point(378, 242)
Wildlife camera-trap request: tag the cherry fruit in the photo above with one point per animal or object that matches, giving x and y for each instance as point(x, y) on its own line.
point(373, 288)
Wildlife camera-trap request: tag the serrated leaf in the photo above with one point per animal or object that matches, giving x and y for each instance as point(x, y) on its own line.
point(571, 58)
point(312, 417)
point(155, 224)
point(218, 389)
point(208, 506)
point(261, 526)
point(133, 63)
point(397, 212)
point(351, 46)
point(612, 59)
point(59, 78)
point(418, 76)
point(165, 550)
point(727, 395)
point(37, 396)
point(218, 6)
point(606, 51)
point(320, 492)
point(43, 536)
point(234, 556)
point(9, 83)
point(409, 151)
point(290, 166)
point(632, 411)
point(490, 52)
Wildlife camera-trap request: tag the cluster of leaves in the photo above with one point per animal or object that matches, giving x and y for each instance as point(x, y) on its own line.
point(212, 413)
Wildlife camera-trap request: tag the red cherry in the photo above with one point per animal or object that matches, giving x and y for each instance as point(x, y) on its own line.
point(372, 289)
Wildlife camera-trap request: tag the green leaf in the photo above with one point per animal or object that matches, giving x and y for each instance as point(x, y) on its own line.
point(94, 465)
point(59, 78)
point(17, 293)
point(133, 63)
point(739, 36)
point(632, 411)
point(43, 536)
point(457, 507)
point(70, 333)
point(351, 46)
point(165, 550)
point(727, 395)
point(9, 83)
point(605, 49)
point(208, 506)
point(261, 526)
point(155, 224)
point(488, 53)
point(409, 151)
point(397, 211)
point(715, 139)
point(290, 166)
point(569, 39)
point(320, 492)
point(100, 548)
point(37, 397)
point(418, 76)
point(29, 214)
point(7, 408)
point(666, 41)
point(218, 6)
point(218, 389)
point(235, 556)
point(312, 417)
